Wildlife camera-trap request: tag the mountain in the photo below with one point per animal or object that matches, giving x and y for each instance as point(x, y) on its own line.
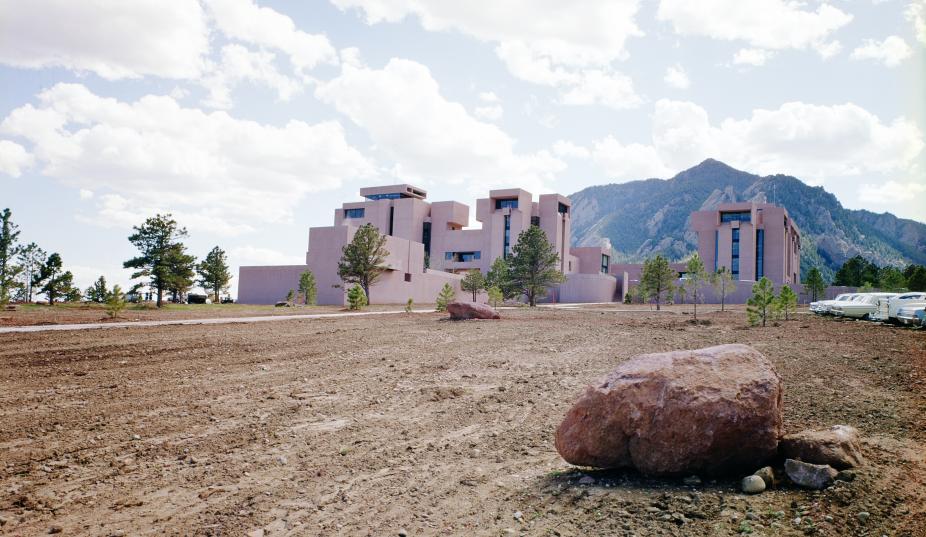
point(643, 218)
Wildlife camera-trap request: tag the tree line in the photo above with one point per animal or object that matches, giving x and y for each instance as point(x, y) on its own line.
point(163, 263)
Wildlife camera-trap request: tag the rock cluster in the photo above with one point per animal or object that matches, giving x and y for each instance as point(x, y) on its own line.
point(460, 311)
point(837, 446)
point(707, 411)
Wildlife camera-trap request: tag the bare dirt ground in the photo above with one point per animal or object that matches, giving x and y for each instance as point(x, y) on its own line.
point(376, 426)
point(35, 314)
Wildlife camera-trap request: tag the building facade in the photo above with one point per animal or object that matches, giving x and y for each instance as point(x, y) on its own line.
point(429, 245)
point(751, 240)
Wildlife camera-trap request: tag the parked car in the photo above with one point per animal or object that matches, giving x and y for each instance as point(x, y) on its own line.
point(887, 307)
point(861, 307)
point(912, 314)
point(822, 307)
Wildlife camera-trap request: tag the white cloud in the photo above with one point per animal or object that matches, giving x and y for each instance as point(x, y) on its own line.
point(489, 97)
point(809, 141)
point(891, 52)
point(890, 193)
point(567, 149)
point(752, 56)
point(916, 14)
point(14, 158)
point(237, 64)
point(221, 173)
point(628, 162)
point(550, 43)
point(112, 39)
point(676, 77)
point(245, 21)
point(86, 194)
point(427, 136)
point(765, 24)
point(490, 113)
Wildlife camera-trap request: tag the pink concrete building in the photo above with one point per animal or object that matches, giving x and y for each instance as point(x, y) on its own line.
point(751, 240)
point(429, 245)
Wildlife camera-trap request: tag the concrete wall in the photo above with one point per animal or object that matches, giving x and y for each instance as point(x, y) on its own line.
point(268, 284)
point(588, 288)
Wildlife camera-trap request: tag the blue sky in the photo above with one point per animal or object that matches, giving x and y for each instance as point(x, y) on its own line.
point(252, 121)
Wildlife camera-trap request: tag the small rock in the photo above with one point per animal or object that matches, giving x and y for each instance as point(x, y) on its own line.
point(837, 446)
point(752, 484)
point(281, 459)
point(828, 518)
point(814, 476)
point(863, 516)
point(692, 480)
point(518, 515)
point(403, 533)
point(55, 529)
point(587, 480)
point(136, 437)
point(846, 475)
point(752, 516)
point(767, 475)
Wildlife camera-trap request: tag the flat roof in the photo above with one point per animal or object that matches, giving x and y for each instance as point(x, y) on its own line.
point(403, 190)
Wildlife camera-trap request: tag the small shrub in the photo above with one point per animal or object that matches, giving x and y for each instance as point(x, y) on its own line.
point(761, 303)
point(356, 298)
point(628, 297)
point(408, 306)
point(446, 296)
point(495, 296)
point(115, 302)
point(291, 297)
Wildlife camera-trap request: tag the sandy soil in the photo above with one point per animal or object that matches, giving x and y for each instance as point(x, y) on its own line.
point(376, 426)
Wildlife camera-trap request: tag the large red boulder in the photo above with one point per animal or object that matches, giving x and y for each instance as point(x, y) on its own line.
point(709, 411)
point(471, 310)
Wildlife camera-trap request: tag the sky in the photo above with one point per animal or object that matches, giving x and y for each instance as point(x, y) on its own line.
point(252, 121)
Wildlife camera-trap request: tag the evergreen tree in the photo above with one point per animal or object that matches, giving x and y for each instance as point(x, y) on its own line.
point(499, 276)
point(814, 285)
point(759, 305)
point(181, 271)
point(214, 274)
point(891, 279)
point(855, 272)
point(9, 247)
point(695, 278)
point(533, 265)
point(916, 277)
point(31, 258)
point(71, 293)
point(724, 285)
point(97, 292)
point(356, 298)
point(657, 279)
point(866, 287)
point(787, 301)
point(363, 259)
point(446, 296)
point(157, 240)
point(473, 282)
point(291, 297)
point(57, 283)
point(495, 296)
point(115, 302)
point(307, 288)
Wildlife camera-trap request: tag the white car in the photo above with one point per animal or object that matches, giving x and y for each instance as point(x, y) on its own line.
point(822, 306)
point(887, 307)
point(861, 307)
point(912, 314)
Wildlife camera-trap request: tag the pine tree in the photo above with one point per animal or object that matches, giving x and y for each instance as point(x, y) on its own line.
point(97, 292)
point(891, 279)
point(814, 285)
point(657, 278)
point(446, 296)
point(214, 274)
point(356, 298)
point(363, 259)
point(724, 285)
point(307, 288)
point(162, 255)
point(473, 282)
point(499, 276)
point(760, 303)
point(533, 265)
point(9, 247)
point(115, 302)
point(916, 277)
point(695, 277)
point(495, 296)
point(787, 301)
point(52, 279)
point(31, 258)
point(290, 297)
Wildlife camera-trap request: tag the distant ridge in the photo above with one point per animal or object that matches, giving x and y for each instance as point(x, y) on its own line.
point(642, 218)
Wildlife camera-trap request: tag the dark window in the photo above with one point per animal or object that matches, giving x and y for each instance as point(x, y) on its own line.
point(535, 221)
point(507, 250)
point(760, 253)
point(463, 257)
point(408, 277)
point(605, 263)
point(735, 267)
point(426, 237)
point(391, 218)
point(739, 216)
point(390, 196)
point(507, 204)
point(716, 247)
point(735, 254)
point(563, 208)
point(353, 213)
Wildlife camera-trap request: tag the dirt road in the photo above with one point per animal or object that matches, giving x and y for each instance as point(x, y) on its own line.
point(386, 424)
